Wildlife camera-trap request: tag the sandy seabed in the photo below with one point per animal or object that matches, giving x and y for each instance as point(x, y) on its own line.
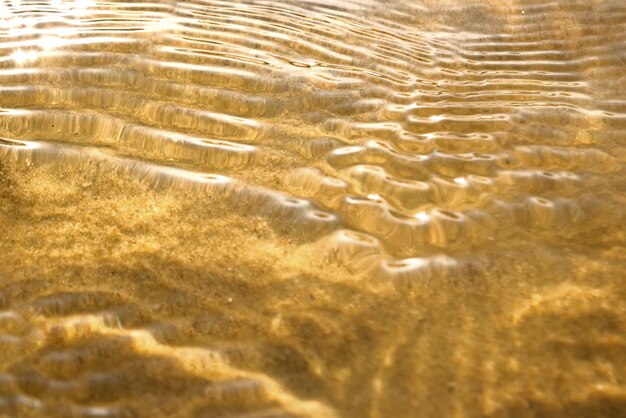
point(313, 209)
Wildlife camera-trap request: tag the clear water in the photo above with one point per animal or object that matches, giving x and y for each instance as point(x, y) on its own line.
point(408, 208)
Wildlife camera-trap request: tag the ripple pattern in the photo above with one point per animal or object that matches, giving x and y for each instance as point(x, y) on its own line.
point(415, 147)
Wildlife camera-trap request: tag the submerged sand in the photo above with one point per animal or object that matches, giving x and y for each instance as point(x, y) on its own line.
point(351, 209)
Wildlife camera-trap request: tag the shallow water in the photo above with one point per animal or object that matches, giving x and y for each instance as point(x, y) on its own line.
point(313, 208)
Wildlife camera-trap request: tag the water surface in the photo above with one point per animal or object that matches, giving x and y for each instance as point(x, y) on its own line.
point(313, 208)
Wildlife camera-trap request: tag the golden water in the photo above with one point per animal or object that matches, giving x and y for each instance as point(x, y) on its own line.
point(321, 208)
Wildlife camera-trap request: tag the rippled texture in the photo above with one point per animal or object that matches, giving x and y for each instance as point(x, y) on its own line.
point(313, 208)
